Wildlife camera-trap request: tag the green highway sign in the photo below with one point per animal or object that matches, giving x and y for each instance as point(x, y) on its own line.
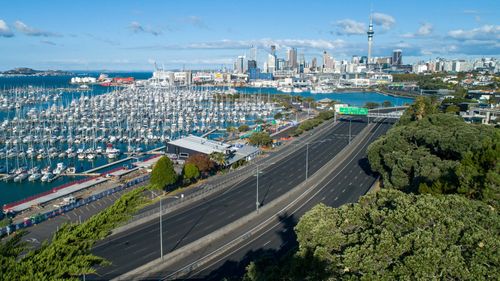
point(354, 110)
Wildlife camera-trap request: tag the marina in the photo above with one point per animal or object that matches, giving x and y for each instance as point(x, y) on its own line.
point(60, 133)
point(40, 145)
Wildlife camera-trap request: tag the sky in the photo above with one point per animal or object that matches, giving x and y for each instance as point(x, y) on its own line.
point(133, 35)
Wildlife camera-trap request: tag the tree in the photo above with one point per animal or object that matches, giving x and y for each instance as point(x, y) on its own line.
point(190, 172)
point(278, 116)
point(390, 235)
point(371, 105)
point(218, 158)
point(386, 104)
point(243, 128)
point(202, 162)
point(163, 173)
point(452, 109)
point(440, 154)
point(260, 139)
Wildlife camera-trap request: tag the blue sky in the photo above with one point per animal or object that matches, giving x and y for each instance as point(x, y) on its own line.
point(130, 35)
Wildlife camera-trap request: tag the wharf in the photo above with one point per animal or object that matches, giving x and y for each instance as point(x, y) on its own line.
point(53, 194)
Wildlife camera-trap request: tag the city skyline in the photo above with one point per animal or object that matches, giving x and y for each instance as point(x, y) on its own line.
point(131, 36)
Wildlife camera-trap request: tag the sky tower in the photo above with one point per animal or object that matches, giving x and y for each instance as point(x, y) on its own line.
point(370, 39)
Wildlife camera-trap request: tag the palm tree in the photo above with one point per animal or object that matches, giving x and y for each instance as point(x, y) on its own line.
point(219, 158)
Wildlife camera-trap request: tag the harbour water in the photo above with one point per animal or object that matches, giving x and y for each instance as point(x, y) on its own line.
point(70, 96)
point(351, 98)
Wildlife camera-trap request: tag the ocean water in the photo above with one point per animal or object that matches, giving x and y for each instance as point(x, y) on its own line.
point(351, 98)
point(10, 191)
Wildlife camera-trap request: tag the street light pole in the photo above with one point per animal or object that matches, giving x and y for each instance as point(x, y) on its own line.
point(161, 232)
point(257, 190)
point(350, 129)
point(307, 160)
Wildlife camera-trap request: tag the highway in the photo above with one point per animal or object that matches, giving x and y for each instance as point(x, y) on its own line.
point(343, 185)
point(140, 245)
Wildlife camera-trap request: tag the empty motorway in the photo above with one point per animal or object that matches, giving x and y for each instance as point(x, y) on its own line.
point(343, 185)
point(140, 245)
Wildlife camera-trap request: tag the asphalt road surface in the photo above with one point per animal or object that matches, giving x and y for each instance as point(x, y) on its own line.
point(140, 245)
point(343, 185)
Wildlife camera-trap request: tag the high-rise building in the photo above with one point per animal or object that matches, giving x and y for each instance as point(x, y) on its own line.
point(240, 65)
point(314, 63)
point(271, 60)
point(292, 58)
point(252, 64)
point(328, 61)
point(397, 57)
point(370, 33)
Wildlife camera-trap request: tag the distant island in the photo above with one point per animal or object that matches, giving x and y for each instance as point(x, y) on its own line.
point(24, 71)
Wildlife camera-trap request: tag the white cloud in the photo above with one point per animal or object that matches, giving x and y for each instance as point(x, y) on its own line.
point(264, 43)
point(425, 29)
point(484, 32)
point(138, 28)
point(30, 31)
point(384, 20)
point(5, 30)
point(350, 27)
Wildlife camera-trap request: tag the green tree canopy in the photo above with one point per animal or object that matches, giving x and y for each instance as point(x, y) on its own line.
point(278, 115)
point(387, 103)
point(371, 105)
point(190, 172)
point(390, 235)
point(163, 173)
point(243, 128)
point(218, 158)
point(440, 154)
point(260, 139)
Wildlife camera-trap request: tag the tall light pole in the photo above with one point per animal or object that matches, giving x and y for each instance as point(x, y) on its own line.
point(257, 195)
point(350, 129)
point(307, 159)
point(161, 231)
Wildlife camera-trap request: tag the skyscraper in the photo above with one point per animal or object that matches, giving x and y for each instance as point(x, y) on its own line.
point(292, 58)
point(370, 39)
point(271, 60)
point(397, 57)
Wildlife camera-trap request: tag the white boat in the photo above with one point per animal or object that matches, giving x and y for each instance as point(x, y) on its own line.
point(21, 177)
point(47, 177)
point(35, 177)
point(59, 168)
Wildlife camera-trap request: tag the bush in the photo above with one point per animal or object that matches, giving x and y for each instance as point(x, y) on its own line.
point(203, 162)
point(243, 128)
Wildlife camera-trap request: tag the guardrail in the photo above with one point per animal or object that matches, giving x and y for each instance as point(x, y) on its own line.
point(64, 209)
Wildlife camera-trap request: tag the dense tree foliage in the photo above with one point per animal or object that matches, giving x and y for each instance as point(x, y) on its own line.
point(67, 256)
point(440, 154)
point(218, 158)
point(203, 162)
point(163, 173)
point(190, 172)
point(422, 107)
point(371, 105)
point(243, 128)
point(260, 139)
point(391, 235)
